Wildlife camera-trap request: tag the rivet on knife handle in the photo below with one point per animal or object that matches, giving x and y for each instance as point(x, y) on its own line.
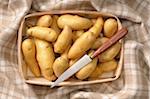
point(120, 34)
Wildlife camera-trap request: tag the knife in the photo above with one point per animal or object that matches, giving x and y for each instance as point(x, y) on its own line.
point(87, 59)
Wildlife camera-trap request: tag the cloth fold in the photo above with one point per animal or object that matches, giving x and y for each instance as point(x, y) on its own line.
point(134, 82)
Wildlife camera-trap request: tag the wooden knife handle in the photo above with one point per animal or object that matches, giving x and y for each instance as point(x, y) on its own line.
point(120, 34)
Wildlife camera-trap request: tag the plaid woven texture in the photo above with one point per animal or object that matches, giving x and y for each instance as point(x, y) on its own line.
point(134, 82)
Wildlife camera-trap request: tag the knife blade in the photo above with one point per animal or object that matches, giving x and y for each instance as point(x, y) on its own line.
point(87, 59)
point(73, 69)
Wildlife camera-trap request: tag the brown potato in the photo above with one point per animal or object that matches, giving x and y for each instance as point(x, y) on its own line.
point(74, 21)
point(99, 42)
point(108, 66)
point(43, 33)
point(45, 58)
point(86, 71)
point(28, 49)
point(63, 41)
point(110, 53)
point(44, 21)
point(110, 27)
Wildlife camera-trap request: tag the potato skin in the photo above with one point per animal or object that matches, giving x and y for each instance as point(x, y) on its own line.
point(43, 33)
point(64, 40)
point(85, 72)
point(75, 22)
point(44, 21)
point(110, 27)
point(109, 66)
point(45, 58)
point(99, 42)
point(110, 53)
point(28, 49)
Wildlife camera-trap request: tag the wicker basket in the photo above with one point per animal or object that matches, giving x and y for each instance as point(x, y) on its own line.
point(29, 78)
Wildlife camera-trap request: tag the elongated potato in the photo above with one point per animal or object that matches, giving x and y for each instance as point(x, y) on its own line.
point(110, 27)
point(87, 70)
point(110, 53)
point(98, 26)
point(99, 42)
point(97, 72)
point(63, 41)
point(77, 34)
point(81, 45)
point(108, 66)
point(85, 41)
point(28, 49)
point(45, 58)
point(43, 33)
point(44, 21)
point(61, 63)
point(54, 25)
point(74, 21)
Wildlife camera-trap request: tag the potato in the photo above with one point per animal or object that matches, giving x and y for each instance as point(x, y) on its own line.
point(54, 25)
point(74, 21)
point(28, 49)
point(110, 53)
point(85, 72)
point(63, 41)
point(99, 42)
point(110, 27)
point(43, 33)
point(44, 21)
point(61, 63)
point(77, 34)
point(97, 28)
point(45, 58)
point(97, 72)
point(81, 45)
point(85, 41)
point(108, 66)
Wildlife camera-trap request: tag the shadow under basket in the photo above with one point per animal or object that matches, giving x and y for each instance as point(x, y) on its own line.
point(27, 75)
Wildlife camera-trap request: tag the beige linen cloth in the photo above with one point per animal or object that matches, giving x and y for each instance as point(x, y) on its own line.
point(134, 82)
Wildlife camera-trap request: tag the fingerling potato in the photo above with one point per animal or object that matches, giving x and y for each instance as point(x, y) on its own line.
point(74, 21)
point(63, 41)
point(110, 53)
point(54, 25)
point(44, 21)
point(45, 58)
point(108, 66)
point(99, 42)
point(110, 27)
point(43, 33)
point(28, 49)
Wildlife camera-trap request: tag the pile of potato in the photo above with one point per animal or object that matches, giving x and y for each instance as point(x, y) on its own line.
point(56, 42)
